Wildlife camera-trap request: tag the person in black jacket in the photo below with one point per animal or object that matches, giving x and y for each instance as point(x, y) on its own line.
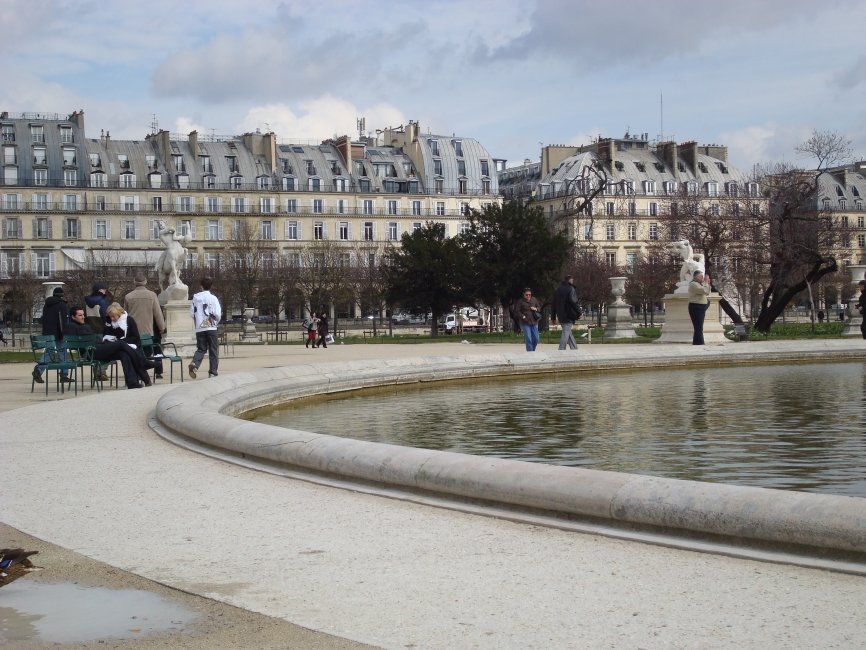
point(567, 310)
point(122, 342)
point(861, 306)
point(55, 315)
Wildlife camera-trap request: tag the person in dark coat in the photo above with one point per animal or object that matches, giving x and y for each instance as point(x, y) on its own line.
point(55, 315)
point(861, 306)
point(97, 305)
point(122, 342)
point(567, 310)
point(323, 331)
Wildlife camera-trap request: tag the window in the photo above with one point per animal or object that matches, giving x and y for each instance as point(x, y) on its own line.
point(239, 204)
point(434, 146)
point(653, 231)
point(128, 203)
point(266, 205)
point(649, 187)
point(156, 203)
point(843, 204)
point(12, 228)
point(632, 231)
point(212, 260)
point(630, 259)
point(587, 231)
point(341, 206)
point(340, 185)
point(182, 181)
point(7, 133)
point(70, 202)
point(40, 177)
point(99, 203)
point(670, 187)
point(314, 184)
point(343, 230)
point(291, 206)
point(37, 133)
point(10, 175)
point(263, 182)
point(127, 229)
point(10, 201)
point(153, 229)
point(691, 188)
point(368, 231)
point(860, 222)
point(100, 229)
point(439, 185)
point(266, 230)
point(184, 204)
point(392, 207)
point(212, 203)
point(42, 228)
point(44, 264)
point(392, 231)
point(232, 164)
point(416, 226)
point(610, 258)
point(236, 182)
point(69, 157)
point(485, 168)
point(461, 167)
point(71, 228)
point(845, 221)
point(463, 228)
point(97, 179)
point(318, 230)
point(628, 187)
point(440, 208)
point(712, 188)
point(861, 241)
point(127, 180)
point(609, 232)
point(212, 230)
point(458, 147)
point(10, 156)
point(632, 208)
point(318, 206)
point(40, 201)
point(416, 208)
point(292, 230)
point(70, 177)
point(367, 206)
point(288, 183)
point(608, 208)
point(716, 210)
point(462, 186)
point(485, 186)
point(437, 166)
point(40, 156)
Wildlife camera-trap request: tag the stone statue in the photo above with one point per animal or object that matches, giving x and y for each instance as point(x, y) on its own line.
point(691, 262)
point(170, 262)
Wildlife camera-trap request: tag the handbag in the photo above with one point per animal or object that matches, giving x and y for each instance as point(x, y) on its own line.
point(536, 315)
point(329, 338)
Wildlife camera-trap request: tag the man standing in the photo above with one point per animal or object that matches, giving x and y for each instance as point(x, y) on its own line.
point(55, 315)
point(206, 314)
point(567, 310)
point(142, 304)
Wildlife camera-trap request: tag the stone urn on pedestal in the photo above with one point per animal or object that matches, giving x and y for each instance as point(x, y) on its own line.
point(619, 323)
point(249, 330)
point(855, 319)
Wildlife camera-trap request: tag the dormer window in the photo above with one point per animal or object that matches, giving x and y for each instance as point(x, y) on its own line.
point(702, 167)
point(458, 147)
point(123, 160)
point(649, 187)
point(288, 183)
point(183, 181)
point(839, 191)
point(712, 188)
point(236, 182)
point(40, 156)
point(155, 179)
point(640, 166)
point(263, 182)
point(69, 157)
point(434, 147)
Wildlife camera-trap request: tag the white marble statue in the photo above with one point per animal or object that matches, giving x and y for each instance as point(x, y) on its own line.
point(172, 259)
point(692, 261)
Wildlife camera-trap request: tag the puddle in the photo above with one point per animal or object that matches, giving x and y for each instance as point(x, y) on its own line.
point(72, 613)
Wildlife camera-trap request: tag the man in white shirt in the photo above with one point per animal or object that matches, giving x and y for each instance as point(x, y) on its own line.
point(206, 314)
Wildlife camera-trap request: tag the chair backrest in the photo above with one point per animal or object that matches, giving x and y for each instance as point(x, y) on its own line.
point(81, 346)
point(41, 343)
point(148, 345)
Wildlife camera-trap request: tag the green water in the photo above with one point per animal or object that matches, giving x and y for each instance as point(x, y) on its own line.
point(798, 427)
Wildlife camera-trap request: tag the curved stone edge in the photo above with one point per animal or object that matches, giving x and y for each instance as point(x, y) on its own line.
point(204, 412)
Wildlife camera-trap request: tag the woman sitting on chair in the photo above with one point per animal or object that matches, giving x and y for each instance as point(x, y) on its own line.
point(122, 342)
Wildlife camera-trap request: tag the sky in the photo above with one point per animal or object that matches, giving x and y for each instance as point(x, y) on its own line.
point(757, 76)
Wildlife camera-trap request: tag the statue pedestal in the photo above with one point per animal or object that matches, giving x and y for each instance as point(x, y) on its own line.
point(678, 326)
point(854, 320)
point(619, 323)
point(181, 330)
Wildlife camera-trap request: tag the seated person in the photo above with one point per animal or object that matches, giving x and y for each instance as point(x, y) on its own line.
point(77, 326)
point(122, 342)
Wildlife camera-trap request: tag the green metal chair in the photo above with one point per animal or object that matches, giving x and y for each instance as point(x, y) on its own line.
point(53, 355)
point(80, 350)
point(153, 351)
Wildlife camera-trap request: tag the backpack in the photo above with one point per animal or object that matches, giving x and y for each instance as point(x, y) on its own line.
point(307, 323)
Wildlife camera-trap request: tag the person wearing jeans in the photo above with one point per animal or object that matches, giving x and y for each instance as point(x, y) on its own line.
point(529, 312)
point(206, 314)
point(567, 310)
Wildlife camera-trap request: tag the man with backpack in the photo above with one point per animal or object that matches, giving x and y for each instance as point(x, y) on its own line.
point(567, 310)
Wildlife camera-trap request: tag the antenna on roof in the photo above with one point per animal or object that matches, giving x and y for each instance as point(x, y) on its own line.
point(361, 123)
point(154, 125)
point(662, 116)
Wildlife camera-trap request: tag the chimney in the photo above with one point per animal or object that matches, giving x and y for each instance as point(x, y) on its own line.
point(344, 147)
point(607, 152)
point(193, 144)
point(670, 155)
point(688, 151)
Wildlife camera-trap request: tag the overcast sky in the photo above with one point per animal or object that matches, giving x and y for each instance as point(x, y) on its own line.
point(755, 75)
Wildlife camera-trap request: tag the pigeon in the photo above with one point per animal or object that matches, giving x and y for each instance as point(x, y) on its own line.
point(14, 563)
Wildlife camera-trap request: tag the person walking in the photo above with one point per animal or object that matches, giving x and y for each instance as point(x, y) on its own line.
point(142, 304)
point(206, 314)
point(55, 315)
point(861, 306)
point(323, 331)
point(528, 310)
point(567, 310)
point(312, 330)
point(699, 302)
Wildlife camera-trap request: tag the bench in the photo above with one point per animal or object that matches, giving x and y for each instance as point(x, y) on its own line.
point(378, 332)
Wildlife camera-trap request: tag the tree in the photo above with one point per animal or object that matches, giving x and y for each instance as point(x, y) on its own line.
point(591, 278)
point(244, 265)
point(510, 247)
point(653, 275)
point(369, 281)
point(428, 273)
point(24, 293)
point(800, 238)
